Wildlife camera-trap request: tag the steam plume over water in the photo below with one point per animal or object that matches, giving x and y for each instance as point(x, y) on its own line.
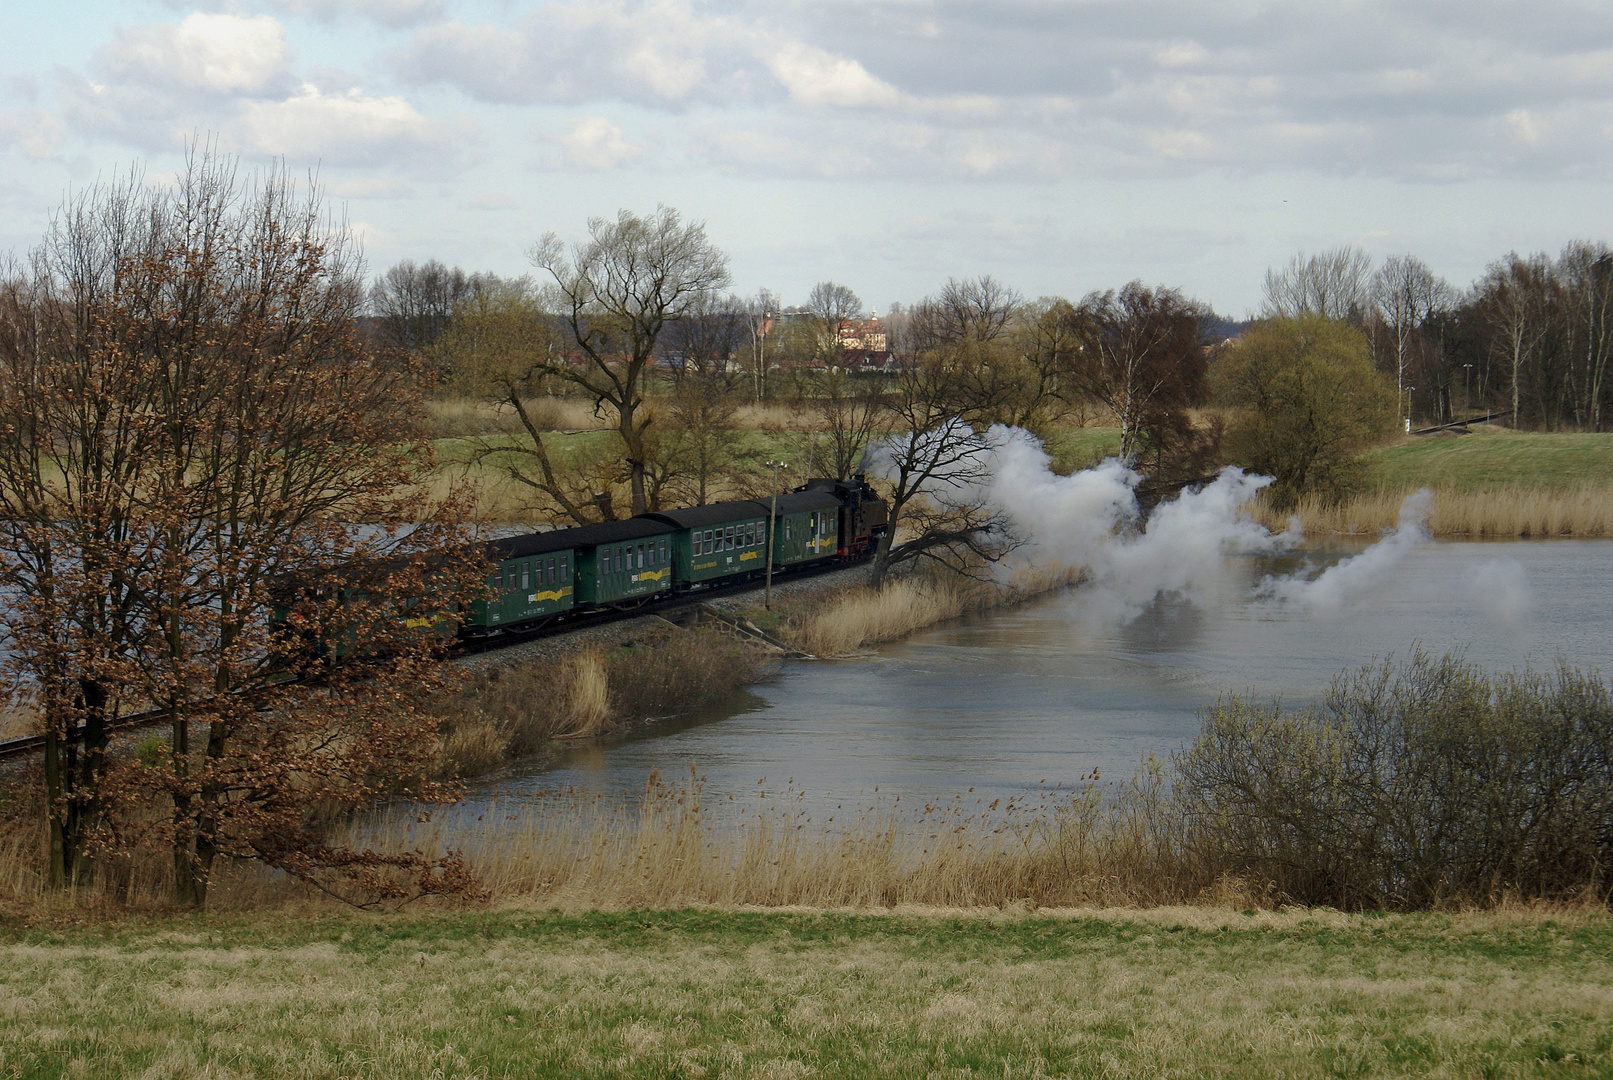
point(1091, 521)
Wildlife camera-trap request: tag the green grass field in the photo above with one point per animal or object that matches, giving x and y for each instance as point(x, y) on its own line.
point(1490, 458)
point(740, 994)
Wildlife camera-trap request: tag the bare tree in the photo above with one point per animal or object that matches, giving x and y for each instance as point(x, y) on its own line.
point(936, 465)
point(974, 309)
point(414, 302)
point(194, 424)
point(1585, 271)
point(1513, 299)
point(705, 338)
point(936, 461)
point(1335, 284)
point(699, 443)
point(1140, 356)
point(852, 414)
point(617, 291)
point(833, 309)
point(1406, 295)
point(759, 314)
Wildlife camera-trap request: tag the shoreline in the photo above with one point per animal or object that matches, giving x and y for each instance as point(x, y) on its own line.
point(581, 704)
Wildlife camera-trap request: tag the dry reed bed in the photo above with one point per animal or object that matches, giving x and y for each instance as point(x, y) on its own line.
point(844, 622)
point(451, 417)
point(671, 849)
point(1584, 511)
point(17, 721)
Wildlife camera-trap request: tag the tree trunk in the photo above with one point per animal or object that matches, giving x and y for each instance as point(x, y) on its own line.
point(189, 890)
point(72, 784)
point(633, 440)
point(882, 552)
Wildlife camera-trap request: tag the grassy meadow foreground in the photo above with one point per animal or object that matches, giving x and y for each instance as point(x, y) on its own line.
point(711, 993)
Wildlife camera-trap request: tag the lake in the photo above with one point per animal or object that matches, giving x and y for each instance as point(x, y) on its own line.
point(1038, 695)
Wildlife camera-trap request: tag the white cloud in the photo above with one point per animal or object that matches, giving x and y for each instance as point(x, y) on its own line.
point(231, 77)
point(1524, 125)
point(218, 54)
point(657, 52)
point(35, 132)
point(394, 13)
point(596, 143)
point(814, 77)
point(348, 127)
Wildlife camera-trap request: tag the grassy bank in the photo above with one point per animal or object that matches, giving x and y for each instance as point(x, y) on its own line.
point(1493, 482)
point(743, 994)
point(1489, 458)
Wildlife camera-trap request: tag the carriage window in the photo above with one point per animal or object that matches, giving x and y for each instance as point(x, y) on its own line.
point(526, 575)
point(548, 573)
point(509, 578)
point(786, 528)
point(563, 569)
point(493, 583)
point(641, 556)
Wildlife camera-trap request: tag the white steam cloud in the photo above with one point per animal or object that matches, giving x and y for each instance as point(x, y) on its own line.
point(1090, 521)
point(1338, 584)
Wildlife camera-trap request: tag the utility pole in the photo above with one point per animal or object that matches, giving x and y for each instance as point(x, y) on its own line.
point(772, 516)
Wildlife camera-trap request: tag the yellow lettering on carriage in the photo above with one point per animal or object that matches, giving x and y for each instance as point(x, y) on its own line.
point(557, 594)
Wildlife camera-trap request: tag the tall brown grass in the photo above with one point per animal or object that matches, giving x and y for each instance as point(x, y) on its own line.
point(448, 418)
point(460, 417)
point(1503, 513)
point(847, 621)
point(673, 849)
point(772, 416)
point(514, 712)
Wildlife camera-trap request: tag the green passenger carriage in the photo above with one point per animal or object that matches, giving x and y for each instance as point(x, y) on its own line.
point(716, 543)
point(622, 561)
point(534, 582)
point(806, 528)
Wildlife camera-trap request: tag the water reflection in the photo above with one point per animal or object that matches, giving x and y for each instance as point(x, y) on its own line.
point(1003, 702)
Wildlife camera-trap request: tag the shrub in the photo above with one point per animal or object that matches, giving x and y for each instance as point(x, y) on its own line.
point(1412, 785)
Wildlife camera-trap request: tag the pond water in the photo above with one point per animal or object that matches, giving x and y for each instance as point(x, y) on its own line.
point(1036, 695)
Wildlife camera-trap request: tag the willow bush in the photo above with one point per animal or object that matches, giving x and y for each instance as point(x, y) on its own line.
point(1419, 784)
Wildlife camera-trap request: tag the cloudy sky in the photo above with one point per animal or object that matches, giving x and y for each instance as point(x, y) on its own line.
point(885, 144)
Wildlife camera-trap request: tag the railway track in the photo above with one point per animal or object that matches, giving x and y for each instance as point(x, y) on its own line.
point(680, 609)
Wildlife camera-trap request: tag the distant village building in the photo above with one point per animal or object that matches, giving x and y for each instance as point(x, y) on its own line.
point(866, 334)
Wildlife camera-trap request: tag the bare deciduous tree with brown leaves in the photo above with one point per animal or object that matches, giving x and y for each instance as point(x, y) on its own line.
point(193, 438)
